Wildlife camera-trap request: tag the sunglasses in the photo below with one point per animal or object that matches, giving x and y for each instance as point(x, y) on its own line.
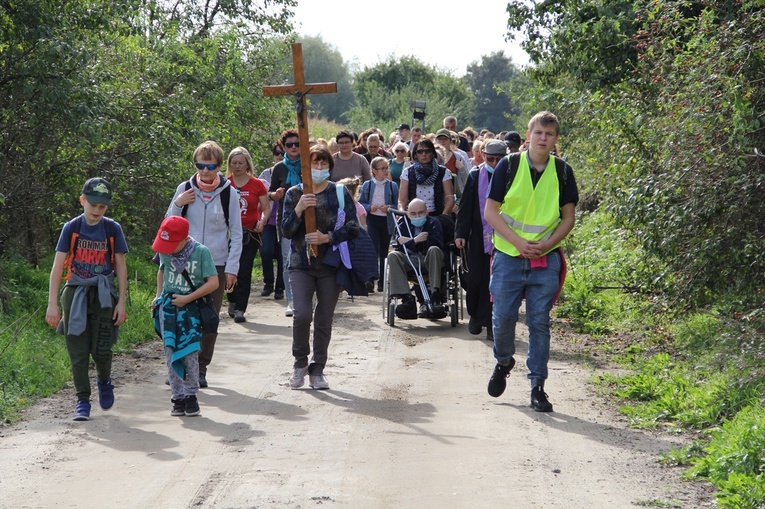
point(400, 151)
point(208, 167)
point(291, 144)
point(424, 151)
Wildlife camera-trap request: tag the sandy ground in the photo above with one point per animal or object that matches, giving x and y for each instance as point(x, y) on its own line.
point(407, 423)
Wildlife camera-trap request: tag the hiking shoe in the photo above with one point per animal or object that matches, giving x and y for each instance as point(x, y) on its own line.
point(289, 311)
point(497, 382)
point(239, 316)
point(82, 410)
point(179, 407)
point(318, 382)
point(539, 400)
point(267, 290)
point(297, 379)
point(105, 393)
point(278, 294)
point(231, 309)
point(203, 380)
point(191, 406)
point(407, 310)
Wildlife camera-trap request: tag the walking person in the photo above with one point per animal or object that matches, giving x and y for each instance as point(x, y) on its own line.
point(186, 273)
point(530, 206)
point(255, 208)
point(474, 234)
point(270, 251)
point(308, 275)
point(377, 196)
point(92, 249)
point(211, 206)
point(284, 175)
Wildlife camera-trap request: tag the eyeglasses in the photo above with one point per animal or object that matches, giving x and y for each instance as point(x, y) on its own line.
point(400, 151)
point(423, 151)
point(208, 167)
point(345, 142)
point(290, 144)
point(381, 168)
point(492, 159)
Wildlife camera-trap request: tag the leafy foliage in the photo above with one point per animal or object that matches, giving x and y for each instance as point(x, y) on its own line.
point(324, 63)
point(492, 106)
point(386, 92)
point(126, 90)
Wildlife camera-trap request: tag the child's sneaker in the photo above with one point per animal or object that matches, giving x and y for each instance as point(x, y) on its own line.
point(179, 407)
point(192, 406)
point(105, 394)
point(297, 379)
point(82, 410)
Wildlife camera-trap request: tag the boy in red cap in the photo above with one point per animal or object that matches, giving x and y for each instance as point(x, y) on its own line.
point(183, 262)
point(92, 249)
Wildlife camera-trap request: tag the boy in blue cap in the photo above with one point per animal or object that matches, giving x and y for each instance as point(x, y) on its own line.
point(92, 248)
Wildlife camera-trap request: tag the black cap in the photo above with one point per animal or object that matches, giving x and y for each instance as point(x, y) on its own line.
point(513, 137)
point(404, 126)
point(97, 190)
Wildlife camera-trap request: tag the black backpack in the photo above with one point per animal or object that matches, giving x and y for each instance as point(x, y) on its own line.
point(224, 199)
point(515, 159)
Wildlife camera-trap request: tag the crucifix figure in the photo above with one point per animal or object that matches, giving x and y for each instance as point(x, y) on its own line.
point(299, 90)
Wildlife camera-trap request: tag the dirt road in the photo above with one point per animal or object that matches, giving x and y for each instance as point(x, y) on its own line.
point(407, 423)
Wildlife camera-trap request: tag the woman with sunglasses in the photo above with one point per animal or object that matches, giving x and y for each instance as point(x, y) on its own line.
point(283, 176)
point(427, 180)
point(474, 233)
point(399, 161)
point(211, 206)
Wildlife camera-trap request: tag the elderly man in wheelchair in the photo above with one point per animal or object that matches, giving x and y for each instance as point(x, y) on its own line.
point(419, 251)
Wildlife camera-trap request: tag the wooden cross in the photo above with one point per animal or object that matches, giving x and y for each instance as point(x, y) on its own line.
point(299, 90)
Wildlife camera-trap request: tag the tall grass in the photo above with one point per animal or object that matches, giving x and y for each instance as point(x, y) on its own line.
point(33, 359)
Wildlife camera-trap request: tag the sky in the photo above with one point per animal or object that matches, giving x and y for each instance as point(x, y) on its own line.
point(366, 35)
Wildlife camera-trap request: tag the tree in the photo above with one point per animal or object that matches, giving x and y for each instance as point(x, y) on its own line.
point(322, 63)
point(385, 94)
point(126, 90)
point(492, 107)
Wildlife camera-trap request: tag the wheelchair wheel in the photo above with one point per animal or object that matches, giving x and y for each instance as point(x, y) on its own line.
point(391, 313)
point(388, 302)
point(453, 313)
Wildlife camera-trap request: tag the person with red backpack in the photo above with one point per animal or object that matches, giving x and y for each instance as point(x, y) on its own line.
point(92, 249)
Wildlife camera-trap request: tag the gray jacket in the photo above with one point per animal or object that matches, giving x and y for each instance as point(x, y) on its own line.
point(207, 223)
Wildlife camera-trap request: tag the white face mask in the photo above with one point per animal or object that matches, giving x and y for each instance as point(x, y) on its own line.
point(318, 175)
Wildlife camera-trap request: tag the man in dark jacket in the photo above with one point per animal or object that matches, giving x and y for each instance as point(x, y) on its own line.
point(474, 233)
point(423, 240)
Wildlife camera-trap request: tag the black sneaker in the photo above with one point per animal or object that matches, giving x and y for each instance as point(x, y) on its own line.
point(539, 400)
point(497, 382)
point(179, 407)
point(267, 290)
point(474, 328)
point(203, 380)
point(407, 310)
point(278, 294)
point(370, 286)
point(192, 406)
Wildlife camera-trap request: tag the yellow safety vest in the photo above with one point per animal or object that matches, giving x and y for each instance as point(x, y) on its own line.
point(531, 212)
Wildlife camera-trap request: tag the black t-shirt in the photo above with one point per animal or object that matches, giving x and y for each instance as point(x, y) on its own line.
point(497, 191)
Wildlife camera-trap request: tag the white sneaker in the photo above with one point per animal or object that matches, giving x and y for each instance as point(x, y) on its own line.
point(289, 311)
point(297, 379)
point(318, 382)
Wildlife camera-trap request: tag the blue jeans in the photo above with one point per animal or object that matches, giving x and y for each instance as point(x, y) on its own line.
point(512, 278)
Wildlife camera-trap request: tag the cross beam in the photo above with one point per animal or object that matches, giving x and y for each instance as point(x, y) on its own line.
point(299, 90)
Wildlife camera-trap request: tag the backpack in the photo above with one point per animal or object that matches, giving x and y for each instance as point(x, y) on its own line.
point(111, 233)
point(224, 200)
point(514, 161)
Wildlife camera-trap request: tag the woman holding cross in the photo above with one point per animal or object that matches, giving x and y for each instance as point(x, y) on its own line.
point(308, 276)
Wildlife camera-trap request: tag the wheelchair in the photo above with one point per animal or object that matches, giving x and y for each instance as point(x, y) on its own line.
point(450, 284)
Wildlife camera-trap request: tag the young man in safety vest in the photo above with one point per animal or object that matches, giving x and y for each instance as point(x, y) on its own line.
point(530, 205)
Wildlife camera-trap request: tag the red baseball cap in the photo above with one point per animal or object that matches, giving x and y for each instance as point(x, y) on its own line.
point(172, 231)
